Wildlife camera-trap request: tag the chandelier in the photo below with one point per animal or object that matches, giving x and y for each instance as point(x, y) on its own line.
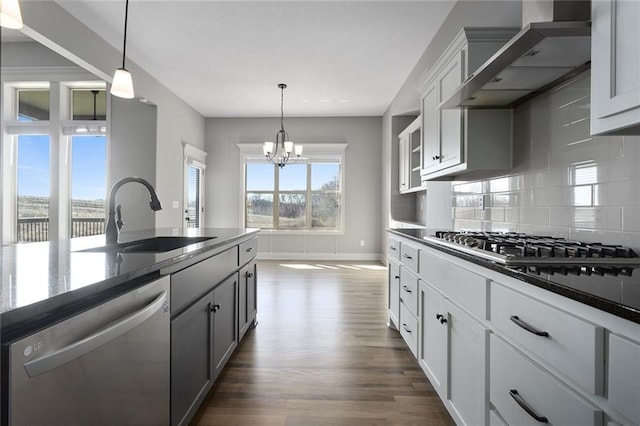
point(279, 153)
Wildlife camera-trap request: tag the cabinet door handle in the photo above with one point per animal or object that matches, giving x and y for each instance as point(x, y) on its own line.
point(443, 320)
point(406, 256)
point(397, 277)
point(392, 248)
point(522, 403)
point(528, 327)
point(249, 249)
point(405, 288)
point(215, 308)
point(249, 274)
point(406, 328)
point(438, 316)
point(435, 157)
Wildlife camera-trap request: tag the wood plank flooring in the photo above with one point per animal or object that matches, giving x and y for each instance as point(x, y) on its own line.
point(322, 355)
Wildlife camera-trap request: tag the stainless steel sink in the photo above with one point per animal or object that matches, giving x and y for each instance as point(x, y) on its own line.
point(150, 245)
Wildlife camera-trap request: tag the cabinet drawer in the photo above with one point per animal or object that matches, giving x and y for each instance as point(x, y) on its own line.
point(517, 385)
point(393, 248)
point(247, 251)
point(191, 283)
point(409, 257)
point(569, 344)
point(467, 289)
point(624, 376)
point(409, 290)
point(409, 328)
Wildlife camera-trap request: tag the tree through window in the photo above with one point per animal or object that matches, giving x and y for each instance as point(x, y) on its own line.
point(299, 196)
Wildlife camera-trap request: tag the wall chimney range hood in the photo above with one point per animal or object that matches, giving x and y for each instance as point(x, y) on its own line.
point(540, 56)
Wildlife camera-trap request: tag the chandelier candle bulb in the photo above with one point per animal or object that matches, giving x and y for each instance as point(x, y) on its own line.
point(288, 147)
point(298, 149)
point(267, 148)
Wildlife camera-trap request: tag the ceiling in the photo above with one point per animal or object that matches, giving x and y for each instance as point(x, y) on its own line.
point(226, 58)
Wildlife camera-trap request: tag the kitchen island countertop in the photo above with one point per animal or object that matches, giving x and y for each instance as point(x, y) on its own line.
point(46, 282)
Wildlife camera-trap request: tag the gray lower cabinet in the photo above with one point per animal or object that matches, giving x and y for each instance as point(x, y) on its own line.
point(225, 330)
point(216, 300)
point(247, 298)
point(191, 354)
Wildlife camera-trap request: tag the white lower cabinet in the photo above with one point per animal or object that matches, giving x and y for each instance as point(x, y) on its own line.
point(499, 351)
point(409, 328)
point(524, 394)
point(394, 293)
point(453, 354)
point(433, 343)
point(624, 377)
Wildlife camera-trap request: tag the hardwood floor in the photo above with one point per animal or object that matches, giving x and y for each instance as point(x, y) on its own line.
point(322, 355)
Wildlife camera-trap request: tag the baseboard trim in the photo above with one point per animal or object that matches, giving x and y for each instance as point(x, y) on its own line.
point(320, 256)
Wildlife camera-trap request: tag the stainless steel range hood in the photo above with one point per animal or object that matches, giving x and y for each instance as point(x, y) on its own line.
point(539, 57)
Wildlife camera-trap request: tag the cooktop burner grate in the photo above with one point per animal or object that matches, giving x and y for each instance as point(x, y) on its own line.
point(543, 254)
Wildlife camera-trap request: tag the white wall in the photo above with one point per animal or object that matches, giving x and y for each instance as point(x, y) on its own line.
point(362, 188)
point(52, 26)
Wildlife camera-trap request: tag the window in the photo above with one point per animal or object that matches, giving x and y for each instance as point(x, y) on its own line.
point(194, 177)
point(88, 185)
point(306, 195)
point(54, 160)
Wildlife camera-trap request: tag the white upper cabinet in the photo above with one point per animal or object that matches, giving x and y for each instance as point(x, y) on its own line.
point(458, 141)
point(409, 157)
point(615, 67)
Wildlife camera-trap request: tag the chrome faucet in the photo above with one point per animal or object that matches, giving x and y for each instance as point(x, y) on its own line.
point(114, 226)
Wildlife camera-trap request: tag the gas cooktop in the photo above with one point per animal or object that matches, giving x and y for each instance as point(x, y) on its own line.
point(542, 254)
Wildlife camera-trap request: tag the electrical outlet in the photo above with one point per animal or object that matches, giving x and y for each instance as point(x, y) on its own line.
point(361, 243)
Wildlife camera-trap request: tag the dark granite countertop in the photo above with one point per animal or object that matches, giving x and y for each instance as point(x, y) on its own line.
point(45, 282)
point(619, 295)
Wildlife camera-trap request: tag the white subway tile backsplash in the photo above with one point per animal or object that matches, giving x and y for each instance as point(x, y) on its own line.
point(564, 182)
point(631, 219)
point(535, 215)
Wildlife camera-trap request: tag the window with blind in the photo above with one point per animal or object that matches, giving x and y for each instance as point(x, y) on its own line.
point(194, 197)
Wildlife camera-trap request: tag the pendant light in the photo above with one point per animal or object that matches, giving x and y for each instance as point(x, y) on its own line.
point(279, 153)
point(122, 85)
point(10, 16)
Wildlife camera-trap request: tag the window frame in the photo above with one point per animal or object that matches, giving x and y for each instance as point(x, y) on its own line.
point(193, 157)
point(314, 153)
point(60, 131)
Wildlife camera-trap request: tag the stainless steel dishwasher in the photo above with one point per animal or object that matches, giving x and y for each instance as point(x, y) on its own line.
point(106, 366)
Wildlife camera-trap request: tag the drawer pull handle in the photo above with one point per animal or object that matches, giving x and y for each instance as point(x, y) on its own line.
point(249, 249)
point(528, 327)
point(405, 288)
point(406, 328)
point(521, 402)
point(392, 248)
point(405, 255)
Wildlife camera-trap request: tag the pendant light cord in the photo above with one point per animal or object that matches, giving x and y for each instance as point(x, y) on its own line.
point(126, 18)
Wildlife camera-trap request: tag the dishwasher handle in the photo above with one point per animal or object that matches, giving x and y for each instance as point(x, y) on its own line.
point(101, 337)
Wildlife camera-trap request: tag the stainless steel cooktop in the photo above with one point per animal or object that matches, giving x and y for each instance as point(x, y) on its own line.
point(540, 254)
